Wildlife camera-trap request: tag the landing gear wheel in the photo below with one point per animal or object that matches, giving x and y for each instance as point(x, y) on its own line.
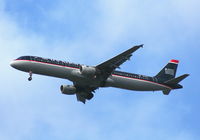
point(30, 74)
point(29, 79)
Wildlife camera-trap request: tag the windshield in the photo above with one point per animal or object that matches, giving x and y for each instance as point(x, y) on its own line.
point(24, 58)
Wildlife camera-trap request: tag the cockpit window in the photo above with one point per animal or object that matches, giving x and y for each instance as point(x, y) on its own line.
point(50, 61)
point(24, 58)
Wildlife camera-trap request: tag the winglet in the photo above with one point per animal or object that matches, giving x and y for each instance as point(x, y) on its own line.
point(142, 45)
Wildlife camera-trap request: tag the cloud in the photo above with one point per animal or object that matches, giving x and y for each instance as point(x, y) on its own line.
point(37, 110)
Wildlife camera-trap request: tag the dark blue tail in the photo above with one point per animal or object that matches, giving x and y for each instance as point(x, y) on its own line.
point(168, 72)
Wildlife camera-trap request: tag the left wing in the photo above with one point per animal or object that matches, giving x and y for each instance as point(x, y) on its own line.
point(106, 68)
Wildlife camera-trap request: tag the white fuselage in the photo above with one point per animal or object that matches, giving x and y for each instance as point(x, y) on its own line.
point(74, 75)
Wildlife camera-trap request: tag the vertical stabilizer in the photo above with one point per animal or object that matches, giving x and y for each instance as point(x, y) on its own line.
point(169, 71)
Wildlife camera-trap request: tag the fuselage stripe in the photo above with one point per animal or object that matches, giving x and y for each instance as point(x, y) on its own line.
point(142, 80)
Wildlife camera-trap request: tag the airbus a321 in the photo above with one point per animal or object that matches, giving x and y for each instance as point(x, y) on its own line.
point(86, 79)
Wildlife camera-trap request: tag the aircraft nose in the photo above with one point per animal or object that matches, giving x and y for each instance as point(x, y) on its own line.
point(20, 65)
point(13, 64)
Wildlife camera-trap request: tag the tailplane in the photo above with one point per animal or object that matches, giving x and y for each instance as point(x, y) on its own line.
point(174, 83)
point(177, 80)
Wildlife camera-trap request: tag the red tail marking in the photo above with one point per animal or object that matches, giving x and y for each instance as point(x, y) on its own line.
point(174, 61)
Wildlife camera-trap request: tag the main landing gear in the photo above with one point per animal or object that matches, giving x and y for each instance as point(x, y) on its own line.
point(30, 76)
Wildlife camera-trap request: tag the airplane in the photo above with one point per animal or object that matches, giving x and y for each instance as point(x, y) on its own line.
point(87, 79)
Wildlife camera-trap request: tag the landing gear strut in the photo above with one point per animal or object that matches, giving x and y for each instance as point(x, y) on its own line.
point(30, 74)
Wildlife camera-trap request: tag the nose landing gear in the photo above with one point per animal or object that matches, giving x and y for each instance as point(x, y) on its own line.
point(30, 76)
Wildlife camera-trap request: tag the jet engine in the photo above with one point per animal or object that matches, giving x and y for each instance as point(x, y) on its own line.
point(68, 89)
point(88, 71)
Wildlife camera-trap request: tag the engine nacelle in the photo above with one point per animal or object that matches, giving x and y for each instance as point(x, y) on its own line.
point(68, 89)
point(88, 71)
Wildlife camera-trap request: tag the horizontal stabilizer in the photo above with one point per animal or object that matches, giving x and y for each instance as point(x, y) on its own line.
point(177, 80)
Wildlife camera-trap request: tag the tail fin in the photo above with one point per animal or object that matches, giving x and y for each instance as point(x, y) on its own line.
point(169, 71)
point(167, 76)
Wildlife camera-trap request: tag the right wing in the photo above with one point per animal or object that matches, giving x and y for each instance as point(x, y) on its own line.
point(106, 68)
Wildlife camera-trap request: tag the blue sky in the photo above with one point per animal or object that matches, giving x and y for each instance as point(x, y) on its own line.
point(90, 32)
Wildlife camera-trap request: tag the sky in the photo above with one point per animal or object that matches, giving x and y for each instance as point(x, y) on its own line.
point(90, 32)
